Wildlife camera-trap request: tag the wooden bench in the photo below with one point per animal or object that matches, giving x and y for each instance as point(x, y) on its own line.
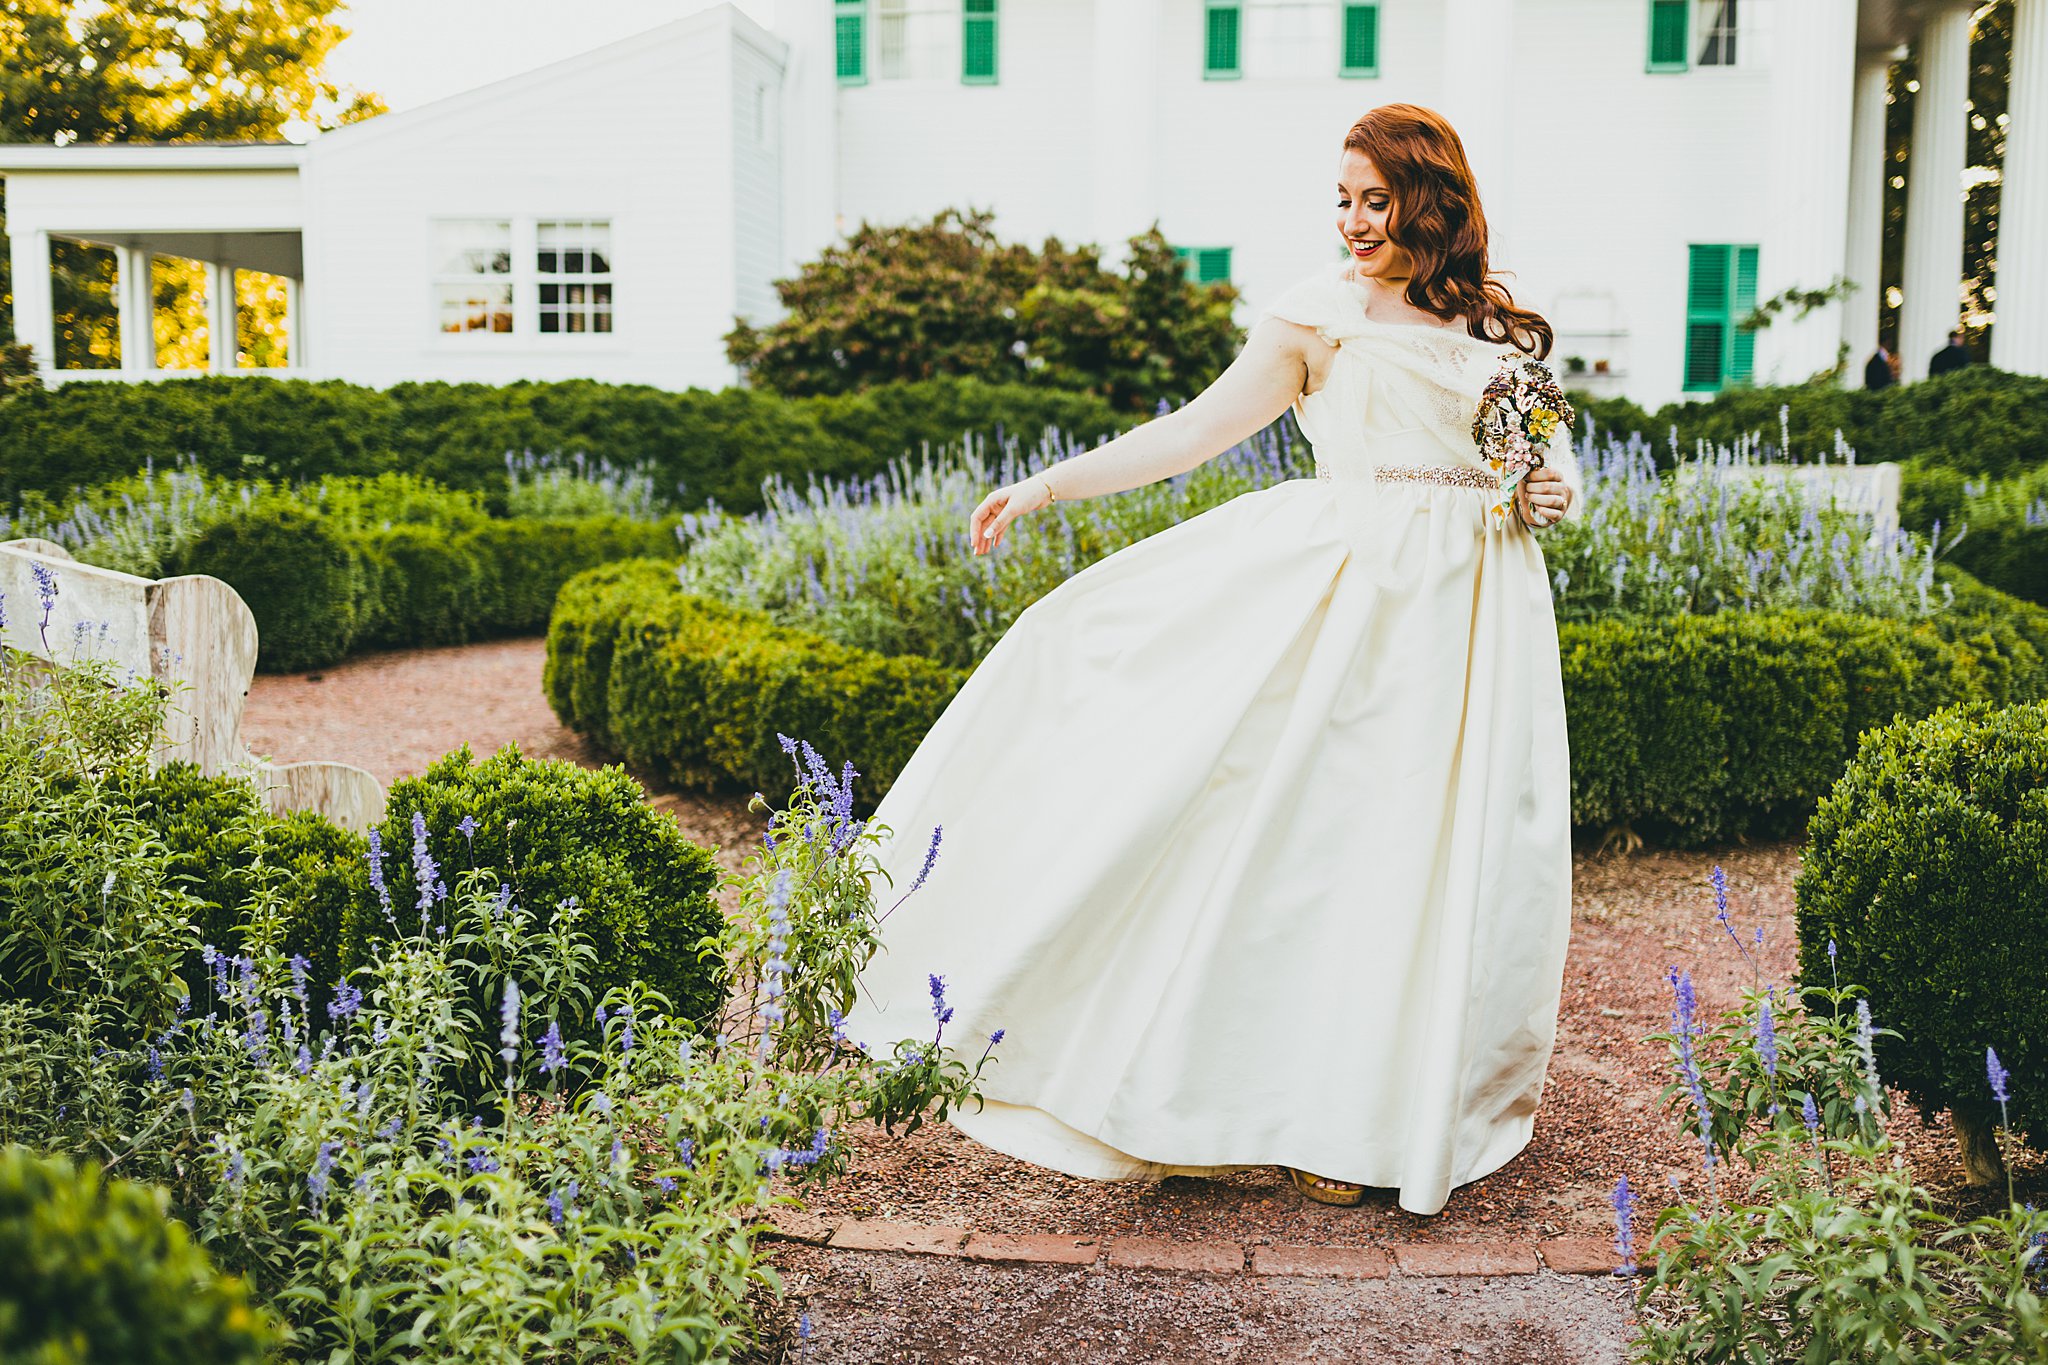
point(1870, 490)
point(195, 638)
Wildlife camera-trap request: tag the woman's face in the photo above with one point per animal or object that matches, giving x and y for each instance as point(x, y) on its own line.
point(1364, 203)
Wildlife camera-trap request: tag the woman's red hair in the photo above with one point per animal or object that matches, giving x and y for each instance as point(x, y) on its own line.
point(1437, 220)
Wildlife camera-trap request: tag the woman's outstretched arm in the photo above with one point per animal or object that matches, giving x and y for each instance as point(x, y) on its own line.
point(1259, 385)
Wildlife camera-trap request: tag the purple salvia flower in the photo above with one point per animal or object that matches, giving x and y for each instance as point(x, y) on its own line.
point(551, 1050)
point(1624, 1235)
point(940, 1011)
point(425, 873)
point(1866, 1040)
point(299, 967)
point(236, 1170)
point(1809, 1114)
point(347, 1000)
point(508, 1015)
point(323, 1163)
point(467, 827)
point(686, 1150)
point(1997, 1074)
point(376, 860)
point(626, 1029)
point(1767, 1038)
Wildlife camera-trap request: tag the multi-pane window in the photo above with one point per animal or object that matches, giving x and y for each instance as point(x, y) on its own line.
point(1717, 33)
point(978, 42)
point(914, 39)
point(1720, 290)
point(850, 40)
point(1205, 264)
point(1222, 26)
point(573, 267)
point(1361, 40)
point(1687, 33)
point(473, 275)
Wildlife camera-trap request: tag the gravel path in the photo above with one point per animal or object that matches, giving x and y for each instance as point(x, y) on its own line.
point(1633, 916)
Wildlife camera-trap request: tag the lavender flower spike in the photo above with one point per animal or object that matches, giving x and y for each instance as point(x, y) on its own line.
point(1624, 1236)
point(508, 1014)
point(1997, 1074)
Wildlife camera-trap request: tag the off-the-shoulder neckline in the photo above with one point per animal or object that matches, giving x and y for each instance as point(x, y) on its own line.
point(1340, 273)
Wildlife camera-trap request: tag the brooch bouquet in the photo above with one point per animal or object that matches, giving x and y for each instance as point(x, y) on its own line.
point(1520, 409)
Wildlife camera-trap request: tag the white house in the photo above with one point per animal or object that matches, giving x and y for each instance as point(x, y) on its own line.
point(1650, 168)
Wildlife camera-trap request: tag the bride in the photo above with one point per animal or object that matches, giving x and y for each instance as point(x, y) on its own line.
point(1256, 832)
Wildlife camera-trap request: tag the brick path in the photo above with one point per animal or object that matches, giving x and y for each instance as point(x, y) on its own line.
point(1207, 1256)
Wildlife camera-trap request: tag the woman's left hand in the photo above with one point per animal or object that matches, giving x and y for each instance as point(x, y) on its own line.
point(1542, 496)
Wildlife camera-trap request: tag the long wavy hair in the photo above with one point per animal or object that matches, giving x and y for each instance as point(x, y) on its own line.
point(1437, 220)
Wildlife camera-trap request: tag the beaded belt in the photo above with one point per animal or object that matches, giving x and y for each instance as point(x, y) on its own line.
point(1452, 475)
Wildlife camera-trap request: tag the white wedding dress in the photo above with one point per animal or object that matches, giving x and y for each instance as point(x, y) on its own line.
point(1256, 832)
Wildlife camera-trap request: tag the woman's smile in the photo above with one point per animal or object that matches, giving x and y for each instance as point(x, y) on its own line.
point(1365, 250)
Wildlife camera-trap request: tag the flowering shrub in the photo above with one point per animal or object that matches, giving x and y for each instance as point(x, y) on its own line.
point(429, 1156)
point(883, 563)
point(1827, 1250)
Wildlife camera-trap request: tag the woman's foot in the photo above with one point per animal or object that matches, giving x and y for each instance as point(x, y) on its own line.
point(1324, 1190)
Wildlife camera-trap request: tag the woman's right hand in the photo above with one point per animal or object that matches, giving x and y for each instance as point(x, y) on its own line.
point(987, 523)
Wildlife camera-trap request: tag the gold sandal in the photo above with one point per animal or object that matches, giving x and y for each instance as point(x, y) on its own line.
point(1344, 1198)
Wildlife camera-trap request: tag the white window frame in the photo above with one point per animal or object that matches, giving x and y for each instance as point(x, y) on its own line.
point(525, 279)
point(440, 279)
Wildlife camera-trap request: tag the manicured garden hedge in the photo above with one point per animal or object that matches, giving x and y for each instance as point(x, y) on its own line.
point(1978, 419)
point(322, 588)
point(1928, 873)
point(697, 690)
point(1689, 728)
point(716, 444)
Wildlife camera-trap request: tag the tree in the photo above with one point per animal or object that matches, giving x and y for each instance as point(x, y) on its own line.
point(947, 298)
point(157, 71)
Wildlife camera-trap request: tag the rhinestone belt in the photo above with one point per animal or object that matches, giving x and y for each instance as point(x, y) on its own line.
point(1451, 475)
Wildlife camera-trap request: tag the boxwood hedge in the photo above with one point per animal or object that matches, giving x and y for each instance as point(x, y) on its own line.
point(1928, 869)
point(1689, 728)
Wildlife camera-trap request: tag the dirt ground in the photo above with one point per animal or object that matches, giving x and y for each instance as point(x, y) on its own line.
point(1634, 916)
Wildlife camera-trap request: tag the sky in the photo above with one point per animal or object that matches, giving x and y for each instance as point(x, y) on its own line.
point(414, 51)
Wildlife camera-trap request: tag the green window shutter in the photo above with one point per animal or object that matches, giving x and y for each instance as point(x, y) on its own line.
point(978, 42)
point(1361, 41)
point(1668, 34)
point(1706, 317)
point(1720, 290)
point(849, 32)
point(1204, 264)
point(1220, 46)
point(1742, 340)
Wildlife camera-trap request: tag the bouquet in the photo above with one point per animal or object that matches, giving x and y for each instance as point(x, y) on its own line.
point(1520, 409)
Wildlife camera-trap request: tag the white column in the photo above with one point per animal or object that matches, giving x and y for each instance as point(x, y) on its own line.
point(1124, 182)
point(1811, 97)
point(135, 301)
point(34, 321)
point(1863, 244)
point(220, 316)
point(1934, 189)
point(2019, 338)
point(294, 333)
point(1475, 94)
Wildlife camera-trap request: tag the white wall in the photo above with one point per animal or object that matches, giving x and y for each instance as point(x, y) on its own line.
point(1591, 207)
point(640, 133)
point(758, 131)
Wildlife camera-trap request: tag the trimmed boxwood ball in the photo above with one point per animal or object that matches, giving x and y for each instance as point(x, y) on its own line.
point(224, 845)
point(95, 1271)
point(1928, 867)
point(302, 579)
point(554, 830)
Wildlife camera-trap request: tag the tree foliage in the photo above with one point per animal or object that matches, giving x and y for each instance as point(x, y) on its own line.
point(922, 300)
point(157, 71)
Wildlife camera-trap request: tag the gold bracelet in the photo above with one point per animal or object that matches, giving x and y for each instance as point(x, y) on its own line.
point(1050, 496)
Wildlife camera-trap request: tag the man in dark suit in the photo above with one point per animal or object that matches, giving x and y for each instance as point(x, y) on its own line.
point(1877, 373)
point(1953, 356)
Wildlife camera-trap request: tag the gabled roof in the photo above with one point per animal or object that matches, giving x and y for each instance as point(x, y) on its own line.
point(718, 18)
